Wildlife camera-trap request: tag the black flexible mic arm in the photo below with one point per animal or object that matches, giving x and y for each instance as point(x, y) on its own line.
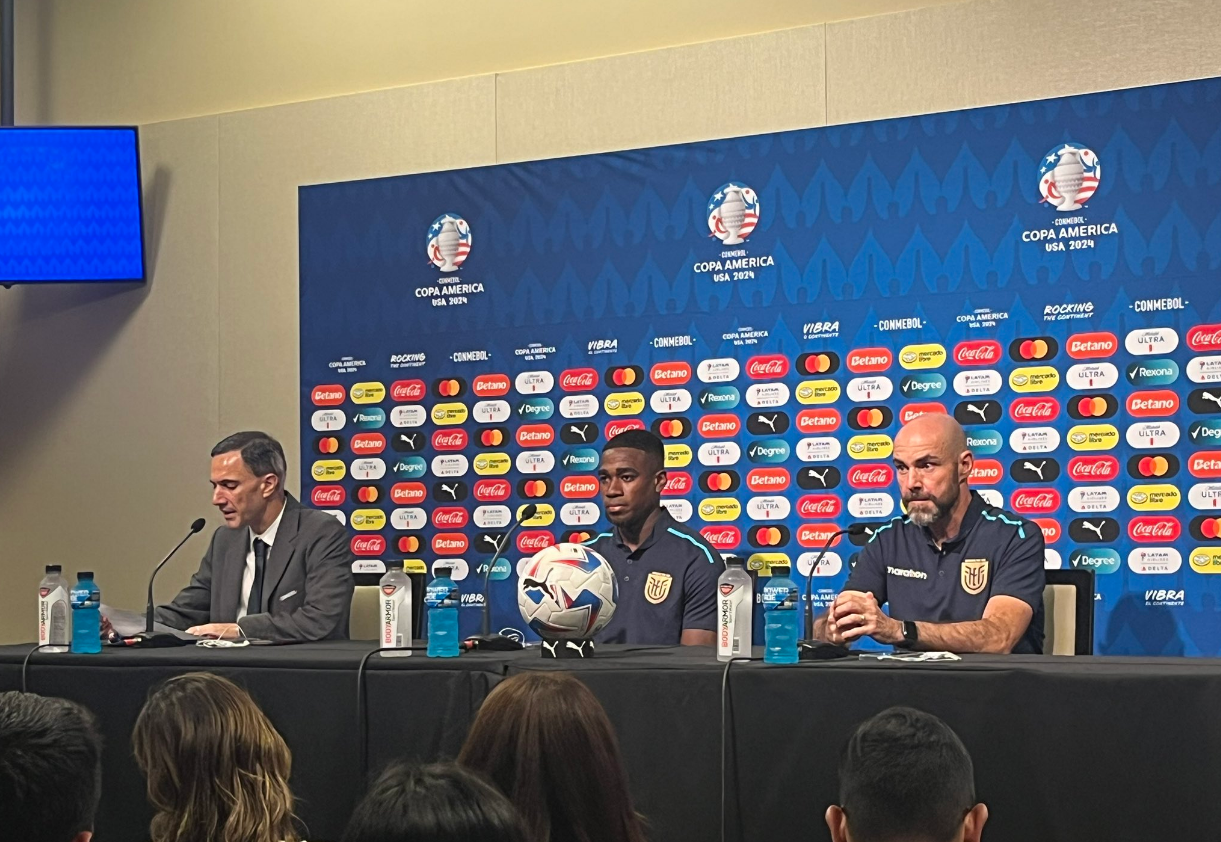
point(148, 611)
point(528, 511)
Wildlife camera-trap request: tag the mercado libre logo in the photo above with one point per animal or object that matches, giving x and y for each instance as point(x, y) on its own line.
point(733, 213)
point(1069, 176)
point(449, 245)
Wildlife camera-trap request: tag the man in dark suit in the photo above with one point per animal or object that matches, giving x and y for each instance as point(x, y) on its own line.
point(276, 570)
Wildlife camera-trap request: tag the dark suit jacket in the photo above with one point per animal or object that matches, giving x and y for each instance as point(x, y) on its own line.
point(307, 583)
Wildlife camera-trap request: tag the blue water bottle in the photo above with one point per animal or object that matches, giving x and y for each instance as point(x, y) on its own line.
point(781, 600)
point(86, 614)
point(441, 597)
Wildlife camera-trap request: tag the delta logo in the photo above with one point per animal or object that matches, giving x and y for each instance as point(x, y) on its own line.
point(578, 380)
point(1091, 346)
point(767, 480)
point(407, 493)
point(981, 352)
point(450, 543)
point(818, 420)
point(817, 534)
point(491, 385)
point(579, 487)
point(719, 481)
point(1035, 501)
point(725, 537)
point(986, 472)
point(328, 496)
point(533, 436)
point(870, 360)
point(768, 536)
point(1154, 529)
point(624, 375)
point(1153, 466)
point(1204, 338)
point(670, 374)
point(408, 391)
point(492, 490)
point(1033, 349)
point(450, 517)
point(822, 362)
point(879, 475)
point(1034, 410)
point(719, 426)
point(819, 506)
point(614, 428)
point(912, 411)
point(446, 440)
point(677, 484)
point(767, 367)
point(672, 428)
point(368, 545)
point(1152, 404)
point(1093, 468)
point(1093, 406)
point(330, 395)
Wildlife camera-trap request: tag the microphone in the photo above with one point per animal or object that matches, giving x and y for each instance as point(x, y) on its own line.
point(810, 649)
point(485, 639)
point(148, 637)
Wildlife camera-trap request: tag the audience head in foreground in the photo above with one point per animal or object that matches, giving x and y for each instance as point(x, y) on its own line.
point(217, 770)
point(545, 740)
point(50, 769)
point(906, 777)
point(438, 803)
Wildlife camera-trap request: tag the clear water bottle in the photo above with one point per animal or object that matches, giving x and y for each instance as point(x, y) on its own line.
point(54, 615)
point(86, 615)
point(780, 603)
point(735, 607)
point(395, 610)
point(442, 599)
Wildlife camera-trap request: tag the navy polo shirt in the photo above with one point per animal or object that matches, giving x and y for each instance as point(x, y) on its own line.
point(667, 584)
point(995, 553)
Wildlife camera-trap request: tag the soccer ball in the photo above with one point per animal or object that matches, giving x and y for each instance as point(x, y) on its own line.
point(566, 591)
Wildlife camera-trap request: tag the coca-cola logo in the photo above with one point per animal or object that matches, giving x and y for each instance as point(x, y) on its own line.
point(1093, 468)
point(450, 439)
point(768, 366)
point(1204, 338)
point(579, 488)
point(719, 426)
point(819, 506)
point(977, 352)
point(578, 379)
point(450, 517)
point(532, 541)
point(450, 543)
point(986, 472)
point(670, 374)
point(677, 483)
point(614, 428)
point(1035, 501)
point(870, 360)
point(722, 537)
point(1154, 528)
point(408, 391)
point(767, 479)
point(368, 545)
point(816, 534)
point(328, 496)
point(1034, 410)
point(876, 475)
point(818, 420)
point(535, 435)
point(492, 490)
point(491, 385)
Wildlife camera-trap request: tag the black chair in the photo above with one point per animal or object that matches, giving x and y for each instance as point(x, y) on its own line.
point(1068, 606)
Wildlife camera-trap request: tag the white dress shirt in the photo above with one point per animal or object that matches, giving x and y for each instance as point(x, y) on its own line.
point(268, 538)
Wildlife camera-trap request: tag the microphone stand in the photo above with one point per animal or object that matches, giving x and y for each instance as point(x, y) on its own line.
point(810, 649)
point(485, 639)
point(156, 640)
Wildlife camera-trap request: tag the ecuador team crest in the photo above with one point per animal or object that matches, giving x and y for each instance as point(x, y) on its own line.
point(657, 587)
point(974, 575)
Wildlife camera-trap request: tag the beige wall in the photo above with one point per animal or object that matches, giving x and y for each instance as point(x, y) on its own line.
point(109, 399)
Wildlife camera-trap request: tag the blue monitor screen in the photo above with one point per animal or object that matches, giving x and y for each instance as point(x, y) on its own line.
point(70, 205)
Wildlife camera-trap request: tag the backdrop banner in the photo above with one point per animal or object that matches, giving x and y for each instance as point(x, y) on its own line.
point(776, 307)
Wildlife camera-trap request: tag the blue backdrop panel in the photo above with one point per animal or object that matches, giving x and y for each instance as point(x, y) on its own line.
point(776, 307)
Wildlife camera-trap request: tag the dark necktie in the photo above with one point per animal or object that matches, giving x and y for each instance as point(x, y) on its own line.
point(254, 603)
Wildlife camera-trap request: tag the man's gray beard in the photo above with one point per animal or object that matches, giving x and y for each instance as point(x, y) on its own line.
point(922, 517)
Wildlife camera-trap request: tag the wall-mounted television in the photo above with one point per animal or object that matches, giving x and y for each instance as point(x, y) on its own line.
point(70, 209)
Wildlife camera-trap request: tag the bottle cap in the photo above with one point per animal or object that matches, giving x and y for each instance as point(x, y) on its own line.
point(781, 569)
point(85, 574)
point(394, 565)
point(55, 568)
point(733, 559)
point(442, 571)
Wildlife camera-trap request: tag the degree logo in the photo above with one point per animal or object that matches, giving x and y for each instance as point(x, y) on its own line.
point(923, 384)
point(1033, 349)
point(768, 451)
point(823, 362)
point(536, 409)
point(368, 393)
point(330, 395)
point(409, 467)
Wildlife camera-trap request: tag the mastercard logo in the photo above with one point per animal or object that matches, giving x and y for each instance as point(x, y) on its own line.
point(870, 418)
point(450, 387)
point(368, 494)
point(328, 444)
point(825, 362)
point(493, 436)
point(1093, 407)
point(626, 375)
point(672, 428)
point(576, 536)
point(408, 544)
point(1153, 466)
point(533, 489)
point(719, 480)
point(1035, 349)
point(1206, 528)
point(769, 536)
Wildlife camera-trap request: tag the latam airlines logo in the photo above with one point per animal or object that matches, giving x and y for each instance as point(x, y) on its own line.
point(449, 242)
point(733, 213)
point(1069, 177)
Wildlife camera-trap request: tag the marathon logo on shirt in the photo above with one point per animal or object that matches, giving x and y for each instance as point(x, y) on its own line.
point(905, 573)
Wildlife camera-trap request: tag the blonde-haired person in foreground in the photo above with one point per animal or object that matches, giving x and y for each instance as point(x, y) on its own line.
point(217, 770)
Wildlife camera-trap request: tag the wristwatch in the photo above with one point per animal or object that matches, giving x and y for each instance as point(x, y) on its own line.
point(910, 634)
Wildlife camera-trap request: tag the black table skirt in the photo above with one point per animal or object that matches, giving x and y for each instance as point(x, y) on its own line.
point(1065, 748)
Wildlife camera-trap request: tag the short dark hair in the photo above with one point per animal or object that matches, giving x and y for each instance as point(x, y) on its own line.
point(441, 802)
point(50, 768)
point(642, 440)
point(262, 454)
point(905, 775)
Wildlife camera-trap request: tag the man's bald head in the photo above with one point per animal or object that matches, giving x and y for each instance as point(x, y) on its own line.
point(932, 465)
point(935, 427)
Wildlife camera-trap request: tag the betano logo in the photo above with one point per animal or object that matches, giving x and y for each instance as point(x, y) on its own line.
point(870, 360)
point(330, 395)
point(670, 374)
point(1091, 346)
point(490, 385)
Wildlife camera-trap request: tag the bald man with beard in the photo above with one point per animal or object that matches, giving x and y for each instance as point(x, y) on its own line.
point(958, 574)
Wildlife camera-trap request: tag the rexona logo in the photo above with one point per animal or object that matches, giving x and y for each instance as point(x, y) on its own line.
point(491, 385)
point(1035, 501)
point(985, 442)
point(578, 380)
point(1158, 403)
point(1091, 346)
point(328, 496)
point(878, 475)
point(492, 490)
point(1205, 464)
point(677, 484)
point(923, 384)
point(1154, 529)
point(578, 459)
point(722, 537)
point(1154, 498)
point(768, 451)
point(1039, 469)
point(1039, 378)
point(579, 488)
point(912, 411)
point(719, 481)
point(450, 440)
point(670, 428)
point(1159, 372)
point(870, 360)
point(1087, 407)
point(767, 480)
point(670, 374)
point(817, 420)
point(986, 472)
point(1101, 560)
point(719, 397)
point(330, 395)
point(719, 426)
point(369, 419)
point(928, 355)
point(1153, 465)
point(977, 352)
point(1034, 410)
point(1204, 338)
point(614, 428)
point(409, 391)
point(1151, 340)
point(1093, 468)
point(535, 435)
point(1033, 349)
point(823, 362)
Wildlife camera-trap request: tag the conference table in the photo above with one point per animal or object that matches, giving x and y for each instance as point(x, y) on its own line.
point(1064, 748)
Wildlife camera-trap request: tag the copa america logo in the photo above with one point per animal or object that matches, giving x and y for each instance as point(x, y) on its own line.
point(449, 242)
point(733, 212)
point(1069, 176)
